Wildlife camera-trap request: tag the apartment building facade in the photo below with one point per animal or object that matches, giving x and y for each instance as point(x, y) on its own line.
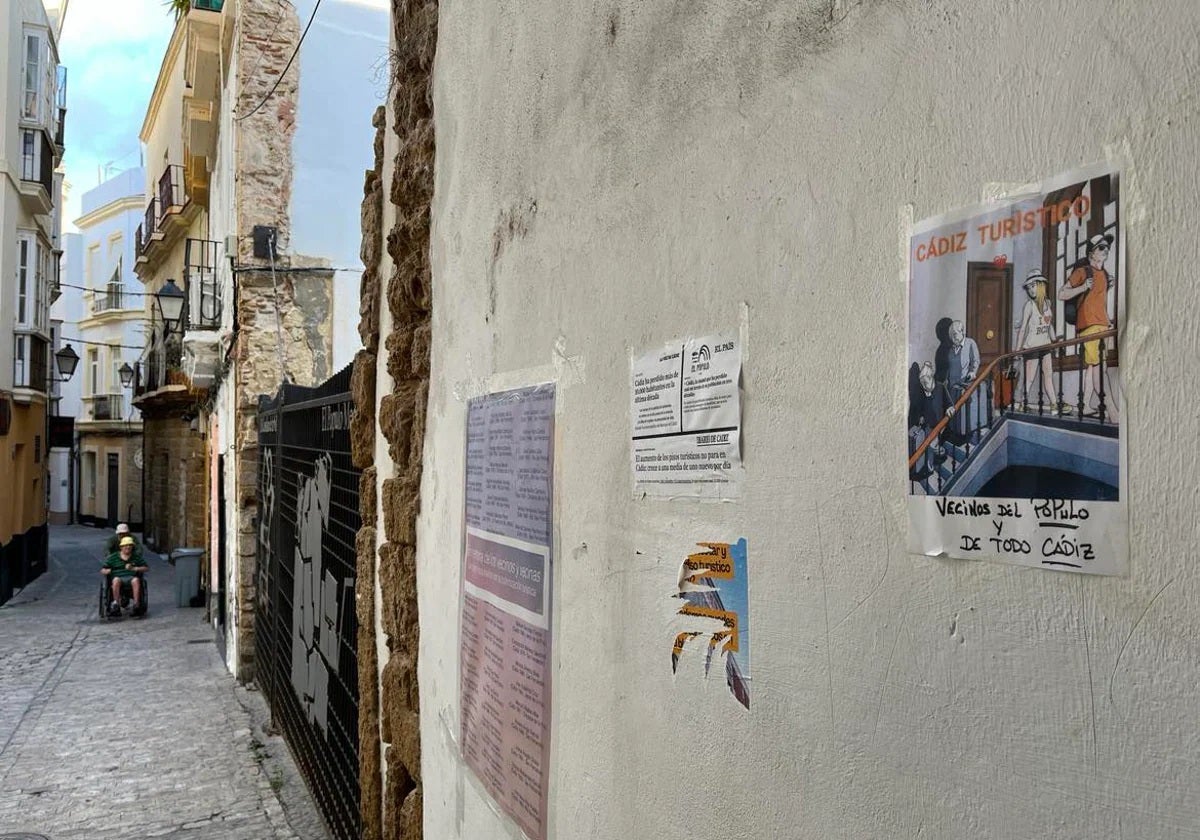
point(110, 328)
point(250, 229)
point(32, 116)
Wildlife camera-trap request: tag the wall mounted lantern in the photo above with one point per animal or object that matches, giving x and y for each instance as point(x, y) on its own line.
point(67, 359)
point(169, 301)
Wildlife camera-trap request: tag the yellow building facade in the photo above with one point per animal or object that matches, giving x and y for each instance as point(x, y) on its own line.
point(32, 114)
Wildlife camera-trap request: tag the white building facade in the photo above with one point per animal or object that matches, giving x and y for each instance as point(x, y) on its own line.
point(110, 330)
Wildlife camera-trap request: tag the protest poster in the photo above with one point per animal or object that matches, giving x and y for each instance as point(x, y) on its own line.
point(686, 418)
point(505, 604)
point(1015, 424)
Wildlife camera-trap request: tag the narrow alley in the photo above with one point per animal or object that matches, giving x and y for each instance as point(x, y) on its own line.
point(131, 727)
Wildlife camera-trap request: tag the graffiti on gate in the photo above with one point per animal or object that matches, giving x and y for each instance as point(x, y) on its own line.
point(317, 599)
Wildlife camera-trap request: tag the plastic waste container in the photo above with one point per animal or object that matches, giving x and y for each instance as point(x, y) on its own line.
point(187, 575)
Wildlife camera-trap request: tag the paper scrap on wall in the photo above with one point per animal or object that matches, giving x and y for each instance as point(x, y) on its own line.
point(685, 406)
point(713, 584)
point(505, 609)
point(1016, 420)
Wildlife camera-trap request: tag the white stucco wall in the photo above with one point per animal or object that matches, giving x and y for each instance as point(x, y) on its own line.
point(686, 160)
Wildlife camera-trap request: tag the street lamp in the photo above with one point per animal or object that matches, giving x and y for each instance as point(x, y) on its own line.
point(169, 301)
point(126, 374)
point(67, 360)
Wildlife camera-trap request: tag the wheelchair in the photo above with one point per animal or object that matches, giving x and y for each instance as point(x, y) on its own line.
point(127, 607)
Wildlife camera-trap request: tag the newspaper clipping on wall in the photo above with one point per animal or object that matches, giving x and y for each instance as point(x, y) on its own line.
point(686, 412)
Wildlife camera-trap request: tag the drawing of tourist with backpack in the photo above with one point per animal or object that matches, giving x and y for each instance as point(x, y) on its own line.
point(1085, 304)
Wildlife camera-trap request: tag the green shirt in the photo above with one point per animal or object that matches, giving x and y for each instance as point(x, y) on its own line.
point(113, 546)
point(116, 564)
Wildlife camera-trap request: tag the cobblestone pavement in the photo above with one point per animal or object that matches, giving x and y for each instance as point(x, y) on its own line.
point(131, 728)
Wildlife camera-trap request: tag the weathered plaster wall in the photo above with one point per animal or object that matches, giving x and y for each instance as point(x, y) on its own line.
point(273, 333)
point(621, 174)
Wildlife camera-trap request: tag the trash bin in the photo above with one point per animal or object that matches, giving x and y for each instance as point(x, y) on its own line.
point(187, 575)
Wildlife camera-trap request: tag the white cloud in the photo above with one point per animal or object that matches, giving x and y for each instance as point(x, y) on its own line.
point(112, 50)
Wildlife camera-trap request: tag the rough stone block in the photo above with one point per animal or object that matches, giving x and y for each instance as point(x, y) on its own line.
point(367, 496)
point(411, 816)
point(399, 353)
point(396, 412)
point(362, 423)
point(399, 695)
point(368, 309)
point(400, 510)
point(398, 593)
point(399, 786)
point(422, 340)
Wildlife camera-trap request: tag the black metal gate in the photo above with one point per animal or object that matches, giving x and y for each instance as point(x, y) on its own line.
point(306, 632)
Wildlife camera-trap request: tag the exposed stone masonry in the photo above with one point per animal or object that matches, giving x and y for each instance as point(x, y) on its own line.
point(362, 451)
point(267, 35)
point(396, 812)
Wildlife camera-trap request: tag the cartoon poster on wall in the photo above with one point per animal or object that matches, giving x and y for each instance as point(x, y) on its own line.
point(713, 585)
point(1015, 426)
point(505, 609)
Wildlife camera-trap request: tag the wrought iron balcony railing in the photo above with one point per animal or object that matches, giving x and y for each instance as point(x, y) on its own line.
point(149, 225)
point(200, 284)
point(112, 297)
point(172, 193)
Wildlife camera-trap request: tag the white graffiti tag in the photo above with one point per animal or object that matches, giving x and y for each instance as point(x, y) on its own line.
point(316, 600)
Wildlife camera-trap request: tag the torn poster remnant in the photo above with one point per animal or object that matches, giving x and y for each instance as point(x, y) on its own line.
point(714, 585)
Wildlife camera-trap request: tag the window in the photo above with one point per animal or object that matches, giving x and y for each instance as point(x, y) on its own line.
point(32, 78)
point(93, 356)
point(24, 277)
point(29, 362)
point(33, 276)
point(114, 369)
point(41, 281)
point(93, 266)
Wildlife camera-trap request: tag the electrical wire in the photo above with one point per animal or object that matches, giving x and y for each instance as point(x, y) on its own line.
point(278, 19)
point(104, 292)
point(64, 340)
point(286, 67)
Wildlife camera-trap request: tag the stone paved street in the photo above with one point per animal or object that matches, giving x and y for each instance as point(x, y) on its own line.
point(131, 728)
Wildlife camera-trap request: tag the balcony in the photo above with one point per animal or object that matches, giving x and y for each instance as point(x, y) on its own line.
point(37, 171)
point(107, 407)
point(113, 297)
point(168, 215)
point(203, 293)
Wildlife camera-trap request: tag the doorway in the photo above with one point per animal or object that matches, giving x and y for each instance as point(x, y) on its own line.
point(989, 309)
point(219, 584)
point(114, 489)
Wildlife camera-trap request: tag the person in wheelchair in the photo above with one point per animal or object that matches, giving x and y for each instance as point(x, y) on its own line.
point(124, 568)
point(113, 546)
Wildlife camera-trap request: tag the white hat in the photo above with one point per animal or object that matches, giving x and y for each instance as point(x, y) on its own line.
point(123, 528)
point(1099, 239)
point(1034, 276)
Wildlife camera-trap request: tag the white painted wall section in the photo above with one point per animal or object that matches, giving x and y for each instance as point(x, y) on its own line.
point(624, 174)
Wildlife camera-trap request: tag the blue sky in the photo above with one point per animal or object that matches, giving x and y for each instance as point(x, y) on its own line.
point(112, 50)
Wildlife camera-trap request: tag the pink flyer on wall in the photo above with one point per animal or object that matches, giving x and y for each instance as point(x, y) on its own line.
point(504, 643)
